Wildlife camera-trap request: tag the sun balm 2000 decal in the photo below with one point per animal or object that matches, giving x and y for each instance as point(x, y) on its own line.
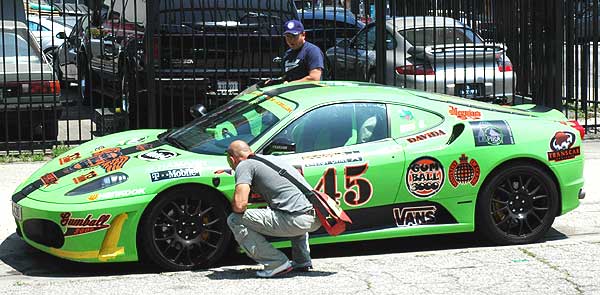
point(425, 177)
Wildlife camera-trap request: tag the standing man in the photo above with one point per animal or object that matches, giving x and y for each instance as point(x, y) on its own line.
point(289, 213)
point(303, 62)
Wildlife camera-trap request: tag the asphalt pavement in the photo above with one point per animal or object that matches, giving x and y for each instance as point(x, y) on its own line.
point(567, 261)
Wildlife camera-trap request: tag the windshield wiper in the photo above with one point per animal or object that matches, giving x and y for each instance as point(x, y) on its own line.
point(175, 142)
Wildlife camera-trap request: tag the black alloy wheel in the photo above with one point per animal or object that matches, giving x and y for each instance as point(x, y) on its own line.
point(185, 230)
point(517, 206)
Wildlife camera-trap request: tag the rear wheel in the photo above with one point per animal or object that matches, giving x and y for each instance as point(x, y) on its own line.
point(517, 205)
point(185, 229)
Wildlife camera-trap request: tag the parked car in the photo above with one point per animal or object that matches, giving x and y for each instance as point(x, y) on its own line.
point(399, 162)
point(435, 54)
point(12, 10)
point(29, 95)
point(46, 30)
point(202, 53)
point(328, 25)
point(65, 56)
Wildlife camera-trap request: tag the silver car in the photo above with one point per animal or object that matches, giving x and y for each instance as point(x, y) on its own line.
point(29, 95)
point(436, 54)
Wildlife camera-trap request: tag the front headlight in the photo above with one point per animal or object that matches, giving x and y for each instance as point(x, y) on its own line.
point(98, 184)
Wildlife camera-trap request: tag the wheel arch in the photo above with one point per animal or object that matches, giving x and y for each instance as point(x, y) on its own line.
point(196, 187)
point(530, 161)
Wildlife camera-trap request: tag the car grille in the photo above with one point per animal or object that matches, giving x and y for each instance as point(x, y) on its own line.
point(44, 232)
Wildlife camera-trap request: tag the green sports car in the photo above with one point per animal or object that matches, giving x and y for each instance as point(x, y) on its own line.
point(400, 162)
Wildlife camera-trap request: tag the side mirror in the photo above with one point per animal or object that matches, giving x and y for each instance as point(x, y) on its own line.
point(198, 111)
point(281, 145)
point(61, 35)
point(277, 60)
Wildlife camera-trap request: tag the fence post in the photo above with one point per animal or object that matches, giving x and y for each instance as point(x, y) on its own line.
point(380, 36)
point(152, 7)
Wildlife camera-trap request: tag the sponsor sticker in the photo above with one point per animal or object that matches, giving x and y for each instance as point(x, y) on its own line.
point(425, 177)
point(464, 114)
point(158, 155)
point(116, 194)
point(134, 141)
point(69, 158)
point(79, 226)
point(49, 179)
point(84, 177)
point(464, 171)
point(561, 146)
point(414, 216)
point(425, 136)
point(174, 173)
point(331, 158)
point(115, 164)
point(491, 133)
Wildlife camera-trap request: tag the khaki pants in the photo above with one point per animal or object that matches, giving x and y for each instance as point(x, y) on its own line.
point(250, 228)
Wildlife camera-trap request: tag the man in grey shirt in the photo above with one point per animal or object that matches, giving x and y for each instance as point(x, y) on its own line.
point(289, 212)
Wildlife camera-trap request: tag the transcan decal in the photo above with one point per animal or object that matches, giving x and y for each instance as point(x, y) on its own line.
point(412, 216)
point(425, 177)
point(84, 177)
point(331, 158)
point(562, 148)
point(174, 173)
point(464, 171)
point(158, 155)
point(464, 114)
point(79, 226)
point(492, 133)
point(49, 179)
point(425, 136)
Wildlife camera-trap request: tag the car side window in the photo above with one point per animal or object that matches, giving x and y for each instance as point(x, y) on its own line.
point(33, 26)
point(365, 40)
point(405, 120)
point(337, 125)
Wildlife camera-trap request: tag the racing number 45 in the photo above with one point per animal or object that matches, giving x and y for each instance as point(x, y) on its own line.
point(358, 189)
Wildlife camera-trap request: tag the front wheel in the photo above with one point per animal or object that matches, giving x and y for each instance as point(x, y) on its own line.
point(185, 230)
point(517, 205)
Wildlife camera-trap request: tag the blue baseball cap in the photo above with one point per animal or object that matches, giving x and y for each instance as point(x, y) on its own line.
point(293, 27)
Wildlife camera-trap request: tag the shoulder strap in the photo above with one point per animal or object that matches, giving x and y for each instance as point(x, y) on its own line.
point(283, 173)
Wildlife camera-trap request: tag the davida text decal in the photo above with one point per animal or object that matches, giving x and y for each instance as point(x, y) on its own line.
point(562, 148)
point(427, 135)
point(425, 177)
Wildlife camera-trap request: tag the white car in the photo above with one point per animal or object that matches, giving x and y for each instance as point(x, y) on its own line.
point(45, 29)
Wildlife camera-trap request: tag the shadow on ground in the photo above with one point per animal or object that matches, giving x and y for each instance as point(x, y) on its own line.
point(29, 261)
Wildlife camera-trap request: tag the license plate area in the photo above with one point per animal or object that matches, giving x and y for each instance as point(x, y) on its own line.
point(227, 87)
point(469, 90)
point(17, 211)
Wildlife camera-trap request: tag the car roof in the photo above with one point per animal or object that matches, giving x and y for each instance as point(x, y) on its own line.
point(330, 13)
point(411, 22)
point(311, 94)
point(10, 24)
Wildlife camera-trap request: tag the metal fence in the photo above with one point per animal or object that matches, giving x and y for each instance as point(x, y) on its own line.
point(76, 69)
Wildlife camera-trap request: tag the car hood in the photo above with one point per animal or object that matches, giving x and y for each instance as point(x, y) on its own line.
point(146, 170)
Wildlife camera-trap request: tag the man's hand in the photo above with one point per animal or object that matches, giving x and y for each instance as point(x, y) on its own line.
point(240, 198)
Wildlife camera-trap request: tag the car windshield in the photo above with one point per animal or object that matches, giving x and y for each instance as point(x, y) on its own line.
point(439, 35)
point(238, 119)
point(15, 49)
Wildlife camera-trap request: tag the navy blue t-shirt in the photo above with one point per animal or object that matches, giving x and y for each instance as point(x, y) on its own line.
point(298, 63)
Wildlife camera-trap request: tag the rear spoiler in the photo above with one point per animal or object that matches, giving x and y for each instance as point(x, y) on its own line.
point(465, 50)
point(550, 113)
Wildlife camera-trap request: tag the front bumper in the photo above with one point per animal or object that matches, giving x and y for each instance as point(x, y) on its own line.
point(98, 231)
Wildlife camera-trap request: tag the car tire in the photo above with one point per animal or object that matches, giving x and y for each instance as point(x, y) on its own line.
point(517, 205)
point(185, 230)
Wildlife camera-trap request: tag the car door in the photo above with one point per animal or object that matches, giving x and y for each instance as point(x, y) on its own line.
point(345, 151)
